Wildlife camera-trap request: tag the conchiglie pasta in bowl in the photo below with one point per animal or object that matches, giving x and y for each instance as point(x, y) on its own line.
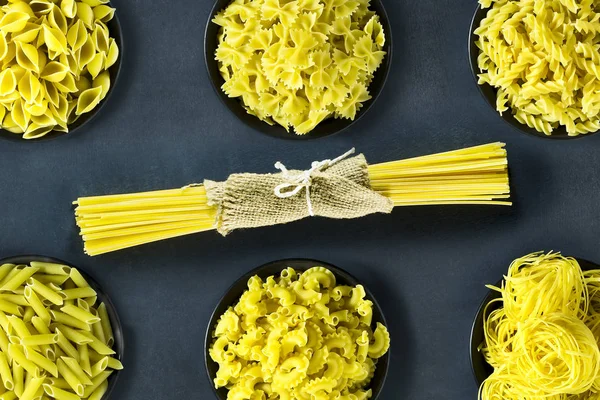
point(60, 335)
point(298, 69)
point(59, 61)
point(537, 64)
point(297, 329)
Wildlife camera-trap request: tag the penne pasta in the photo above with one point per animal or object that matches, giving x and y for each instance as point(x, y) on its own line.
point(106, 327)
point(77, 293)
point(18, 279)
point(70, 377)
point(5, 269)
point(34, 340)
point(45, 291)
point(99, 392)
point(80, 314)
point(66, 346)
point(18, 377)
point(50, 268)
point(41, 361)
point(31, 390)
point(36, 304)
point(6, 373)
point(47, 349)
point(74, 366)
point(78, 279)
point(68, 320)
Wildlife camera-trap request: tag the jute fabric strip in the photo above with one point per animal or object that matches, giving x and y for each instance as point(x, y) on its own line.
point(341, 191)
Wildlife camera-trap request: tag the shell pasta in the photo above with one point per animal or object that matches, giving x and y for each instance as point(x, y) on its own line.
point(54, 61)
point(298, 336)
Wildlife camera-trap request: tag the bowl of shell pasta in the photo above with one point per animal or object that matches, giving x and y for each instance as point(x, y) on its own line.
point(537, 64)
point(60, 335)
point(59, 62)
point(297, 329)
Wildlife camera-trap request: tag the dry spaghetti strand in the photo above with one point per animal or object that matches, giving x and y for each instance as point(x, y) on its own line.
point(475, 175)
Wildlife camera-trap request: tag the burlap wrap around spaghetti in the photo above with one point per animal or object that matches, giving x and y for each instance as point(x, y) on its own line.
point(341, 191)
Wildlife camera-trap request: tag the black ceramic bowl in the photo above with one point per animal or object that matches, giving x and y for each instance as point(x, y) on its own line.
point(481, 369)
point(119, 346)
point(328, 127)
point(489, 92)
point(114, 27)
point(274, 268)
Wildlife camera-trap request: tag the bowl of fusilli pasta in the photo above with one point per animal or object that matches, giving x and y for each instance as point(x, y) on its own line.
point(298, 70)
point(59, 64)
point(538, 84)
point(295, 328)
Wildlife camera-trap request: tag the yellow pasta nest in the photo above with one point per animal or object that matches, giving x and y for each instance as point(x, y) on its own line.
point(298, 336)
point(55, 340)
point(543, 342)
point(542, 56)
point(299, 62)
point(54, 58)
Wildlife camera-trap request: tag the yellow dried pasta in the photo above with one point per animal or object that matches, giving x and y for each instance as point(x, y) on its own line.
point(542, 56)
point(296, 63)
point(43, 352)
point(298, 336)
point(54, 61)
point(543, 341)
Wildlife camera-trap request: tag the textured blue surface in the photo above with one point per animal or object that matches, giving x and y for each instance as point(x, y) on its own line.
point(164, 127)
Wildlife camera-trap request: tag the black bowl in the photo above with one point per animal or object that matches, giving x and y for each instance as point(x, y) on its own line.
point(328, 127)
point(489, 93)
point(114, 28)
point(119, 345)
point(274, 268)
point(481, 369)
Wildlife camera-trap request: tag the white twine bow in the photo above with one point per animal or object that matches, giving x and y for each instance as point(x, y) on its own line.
point(303, 180)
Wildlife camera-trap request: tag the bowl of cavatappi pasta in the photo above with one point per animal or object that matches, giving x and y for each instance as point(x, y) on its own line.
point(59, 63)
point(537, 64)
point(297, 329)
point(298, 69)
point(60, 335)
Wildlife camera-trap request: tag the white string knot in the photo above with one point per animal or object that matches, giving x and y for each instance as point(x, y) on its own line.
point(303, 179)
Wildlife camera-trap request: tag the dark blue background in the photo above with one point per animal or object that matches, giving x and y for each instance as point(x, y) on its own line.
point(164, 127)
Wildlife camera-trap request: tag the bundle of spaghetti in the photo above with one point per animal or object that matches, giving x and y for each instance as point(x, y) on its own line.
point(543, 341)
point(475, 175)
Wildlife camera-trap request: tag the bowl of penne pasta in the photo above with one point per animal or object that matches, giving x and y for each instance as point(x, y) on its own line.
point(298, 327)
point(301, 71)
point(60, 67)
point(58, 327)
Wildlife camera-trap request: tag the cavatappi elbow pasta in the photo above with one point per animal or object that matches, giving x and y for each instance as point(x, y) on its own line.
point(299, 62)
point(55, 340)
point(298, 336)
point(54, 61)
point(543, 58)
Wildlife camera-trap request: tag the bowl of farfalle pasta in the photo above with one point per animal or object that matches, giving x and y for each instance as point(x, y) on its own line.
point(537, 64)
point(297, 329)
point(298, 69)
point(59, 62)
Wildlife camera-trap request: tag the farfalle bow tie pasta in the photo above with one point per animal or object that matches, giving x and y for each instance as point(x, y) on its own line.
point(297, 63)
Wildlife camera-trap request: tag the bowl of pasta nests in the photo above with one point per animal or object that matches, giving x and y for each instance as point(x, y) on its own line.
point(536, 333)
point(537, 64)
point(59, 62)
point(60, 335)
point(298, 69)
point(297, 329)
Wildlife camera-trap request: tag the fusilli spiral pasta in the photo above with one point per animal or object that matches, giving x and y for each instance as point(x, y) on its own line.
point(543, 57)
